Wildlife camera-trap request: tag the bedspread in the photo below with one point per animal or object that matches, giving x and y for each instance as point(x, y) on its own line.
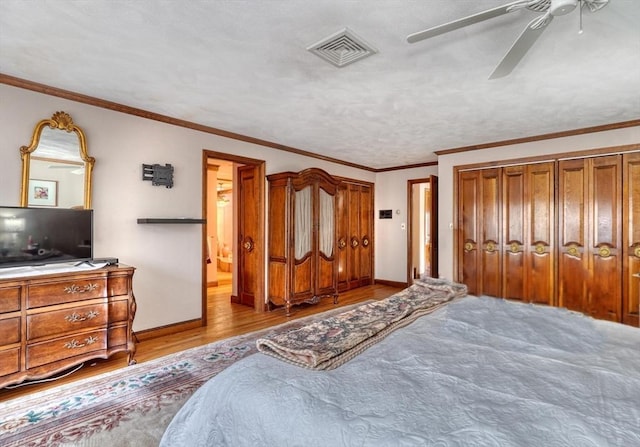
point(328, 343)
point(477, 372)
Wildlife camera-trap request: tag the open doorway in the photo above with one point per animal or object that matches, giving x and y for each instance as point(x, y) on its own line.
point(422, 234)
point(220, 224)
point(233, 236)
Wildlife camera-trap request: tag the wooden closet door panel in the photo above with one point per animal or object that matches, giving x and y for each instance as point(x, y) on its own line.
point(354, 236)
point(605, 253)
point(468, 205)
point(514, 232)
point(366, 235)
point(490, 231)
point(540, 215)
point(631, 238)
point(572, 223)
point(342, 236)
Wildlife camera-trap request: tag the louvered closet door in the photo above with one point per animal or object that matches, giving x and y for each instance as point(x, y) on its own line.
point(590, 254)
point(528, 233)
point(631, 238)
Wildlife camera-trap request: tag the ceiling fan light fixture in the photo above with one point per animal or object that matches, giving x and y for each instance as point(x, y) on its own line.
point(562, 7)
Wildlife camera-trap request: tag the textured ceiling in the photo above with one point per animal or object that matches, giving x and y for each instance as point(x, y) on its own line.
point(242, 66)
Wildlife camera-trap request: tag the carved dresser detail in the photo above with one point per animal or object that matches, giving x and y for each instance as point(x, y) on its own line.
point(50, 323)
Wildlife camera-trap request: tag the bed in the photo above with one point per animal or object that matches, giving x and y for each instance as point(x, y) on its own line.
point(468, 371)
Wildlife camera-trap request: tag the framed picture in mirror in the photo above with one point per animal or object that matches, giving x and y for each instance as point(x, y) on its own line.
point(43, 193)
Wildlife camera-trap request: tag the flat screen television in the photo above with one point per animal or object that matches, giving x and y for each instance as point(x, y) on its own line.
point(37, 236)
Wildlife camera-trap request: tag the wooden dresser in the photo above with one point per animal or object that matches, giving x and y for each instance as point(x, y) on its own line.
point(49, 323)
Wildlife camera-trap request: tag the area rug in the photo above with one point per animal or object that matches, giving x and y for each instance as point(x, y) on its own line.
point(131, 406)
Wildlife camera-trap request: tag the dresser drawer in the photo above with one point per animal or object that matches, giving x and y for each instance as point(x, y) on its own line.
point(9, 361)
point(118, 336)
point(67, 320)
point(118, 311)
point(10, 331)
point(39, 354)
point(9, 299)
point(47, 294)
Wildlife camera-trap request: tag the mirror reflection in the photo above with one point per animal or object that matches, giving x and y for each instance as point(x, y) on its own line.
point(56, 168)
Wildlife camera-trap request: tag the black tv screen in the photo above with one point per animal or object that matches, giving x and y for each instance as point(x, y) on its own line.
point(36, 236)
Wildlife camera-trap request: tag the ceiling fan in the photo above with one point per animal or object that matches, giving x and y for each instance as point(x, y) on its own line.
point(534, 29)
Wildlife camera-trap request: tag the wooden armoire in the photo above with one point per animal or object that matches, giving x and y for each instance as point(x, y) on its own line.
point(354, 234)
point(562, 232)
point(302, 242)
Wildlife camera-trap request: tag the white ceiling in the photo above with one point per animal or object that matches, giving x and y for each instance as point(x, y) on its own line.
point(242, 66)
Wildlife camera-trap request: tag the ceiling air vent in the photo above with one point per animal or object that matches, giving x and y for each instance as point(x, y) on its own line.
point(342, 48)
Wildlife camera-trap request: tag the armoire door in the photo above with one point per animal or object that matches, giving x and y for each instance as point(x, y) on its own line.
point(342, 230)
point(325, 240)
point(303, 265)
point(354, 233)
point(590, 236)
point(631, 238)
point(365, 229)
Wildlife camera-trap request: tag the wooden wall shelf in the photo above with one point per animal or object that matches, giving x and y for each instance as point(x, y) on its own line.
point(173, 220)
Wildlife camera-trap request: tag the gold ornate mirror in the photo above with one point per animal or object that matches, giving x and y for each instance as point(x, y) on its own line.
point(56, 168)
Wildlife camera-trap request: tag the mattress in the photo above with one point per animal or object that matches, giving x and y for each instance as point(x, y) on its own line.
point(480, 371)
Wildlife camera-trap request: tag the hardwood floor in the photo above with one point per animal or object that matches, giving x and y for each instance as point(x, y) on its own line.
point(225, 319)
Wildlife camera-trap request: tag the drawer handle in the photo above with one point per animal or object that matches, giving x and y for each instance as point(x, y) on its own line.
point(77, 289)
point(74, 317)
point(75, 344)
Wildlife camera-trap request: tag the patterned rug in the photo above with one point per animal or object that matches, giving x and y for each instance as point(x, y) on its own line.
point(128, 407)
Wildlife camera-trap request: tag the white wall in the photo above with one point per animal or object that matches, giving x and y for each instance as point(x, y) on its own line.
point(167, 282)
point(446, 163)
point(391, 239)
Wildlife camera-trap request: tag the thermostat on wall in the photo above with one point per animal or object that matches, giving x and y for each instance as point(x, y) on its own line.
point(385, 214)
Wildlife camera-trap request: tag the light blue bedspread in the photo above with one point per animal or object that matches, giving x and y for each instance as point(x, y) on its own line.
point(478, 372)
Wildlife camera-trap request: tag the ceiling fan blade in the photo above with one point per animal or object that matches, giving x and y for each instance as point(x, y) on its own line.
point(466, 21)
point(520, 47)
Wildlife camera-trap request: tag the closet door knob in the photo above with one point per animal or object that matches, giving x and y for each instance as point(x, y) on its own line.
point(248, 244)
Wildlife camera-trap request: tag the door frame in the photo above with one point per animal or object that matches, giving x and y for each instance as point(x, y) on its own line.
point(433, 182)
point(260, 281)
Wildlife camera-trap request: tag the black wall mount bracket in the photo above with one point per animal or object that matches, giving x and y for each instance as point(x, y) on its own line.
point(158, 175)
